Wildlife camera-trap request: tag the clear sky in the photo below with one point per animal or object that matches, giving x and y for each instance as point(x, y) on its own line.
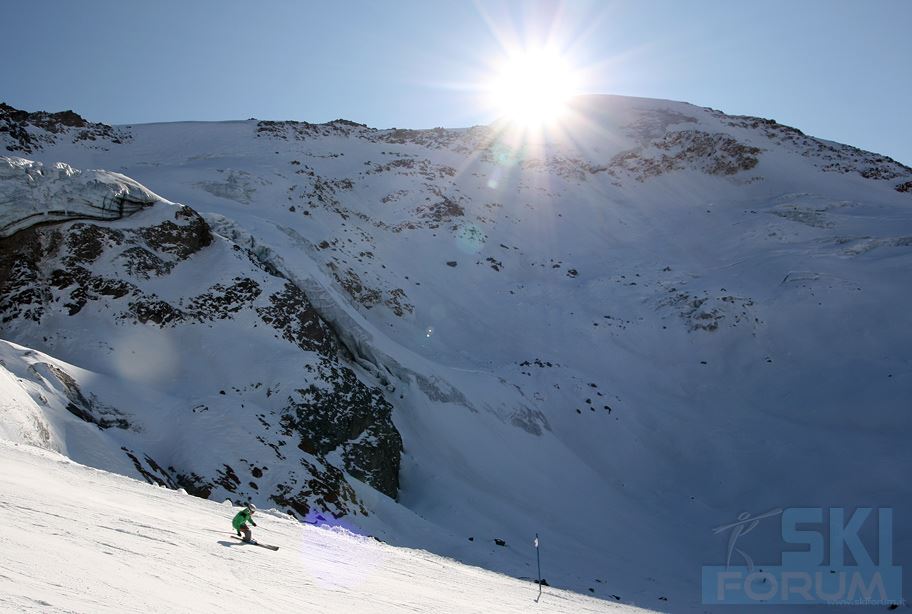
point(840, 70)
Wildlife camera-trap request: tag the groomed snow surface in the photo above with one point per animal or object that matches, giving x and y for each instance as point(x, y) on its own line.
point(77, 539)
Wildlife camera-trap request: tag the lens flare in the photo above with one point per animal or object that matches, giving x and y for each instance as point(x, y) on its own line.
point(532, 87)
point(145, 356)
point(470, 238)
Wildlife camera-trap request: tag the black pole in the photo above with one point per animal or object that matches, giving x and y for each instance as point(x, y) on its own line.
point(538, 560)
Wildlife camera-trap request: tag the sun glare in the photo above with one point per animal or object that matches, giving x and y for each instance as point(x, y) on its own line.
point(532, 88)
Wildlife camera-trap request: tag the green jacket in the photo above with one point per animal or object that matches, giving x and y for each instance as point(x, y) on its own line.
point(242, 517)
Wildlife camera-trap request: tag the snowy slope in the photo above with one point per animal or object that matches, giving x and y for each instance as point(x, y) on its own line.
point(618, 336)
point(77, 539)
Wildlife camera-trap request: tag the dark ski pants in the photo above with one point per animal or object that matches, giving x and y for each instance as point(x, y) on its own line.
point(246, 531)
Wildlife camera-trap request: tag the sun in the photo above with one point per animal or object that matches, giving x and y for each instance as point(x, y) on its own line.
point(531, 88)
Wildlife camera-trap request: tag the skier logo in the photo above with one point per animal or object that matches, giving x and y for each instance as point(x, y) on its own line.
point(745, 524)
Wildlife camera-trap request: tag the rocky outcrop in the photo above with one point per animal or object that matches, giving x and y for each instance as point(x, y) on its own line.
point(86, 408)
point(315, 432)
point(827, 156)
point(713, 154)
point(21, 131)
point(351, 419)
point(45, 267)
point(300, 131)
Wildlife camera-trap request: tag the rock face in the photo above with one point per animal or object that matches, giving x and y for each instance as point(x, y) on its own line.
point(713, 154)
point(29, 132)
point(305, 431)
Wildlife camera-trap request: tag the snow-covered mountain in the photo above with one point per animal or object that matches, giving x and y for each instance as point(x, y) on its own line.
point(619, 335)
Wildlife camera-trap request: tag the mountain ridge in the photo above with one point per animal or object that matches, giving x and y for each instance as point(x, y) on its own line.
point(17, 121)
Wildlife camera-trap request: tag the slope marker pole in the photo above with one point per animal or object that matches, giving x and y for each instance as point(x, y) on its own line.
point(538, 560)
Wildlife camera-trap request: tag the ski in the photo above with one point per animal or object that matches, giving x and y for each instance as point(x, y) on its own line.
point(256, 543)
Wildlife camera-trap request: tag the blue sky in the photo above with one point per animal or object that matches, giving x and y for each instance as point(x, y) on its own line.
point(835, 69)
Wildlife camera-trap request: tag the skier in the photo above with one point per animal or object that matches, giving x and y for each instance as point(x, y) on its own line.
point(241, 519)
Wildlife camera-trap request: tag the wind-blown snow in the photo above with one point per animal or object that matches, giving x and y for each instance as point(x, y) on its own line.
point(77, 539)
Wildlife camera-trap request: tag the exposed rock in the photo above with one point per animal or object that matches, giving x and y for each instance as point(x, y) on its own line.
point(707, 312)
point(227, 478)
point(713, 154)
point(28, 132)
point(829, 157)
point(292, 314)
point(300, 131)
point(22, 293)
point(329, 492)
point(150, 309)
point(86, 242)
point(221, 301)
point(150, 470)
point(144, 264)
point(88, 409)
point(84, 286)
point(182, 238)
point(348, 416)
point(420, 167)
point(440, 212)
